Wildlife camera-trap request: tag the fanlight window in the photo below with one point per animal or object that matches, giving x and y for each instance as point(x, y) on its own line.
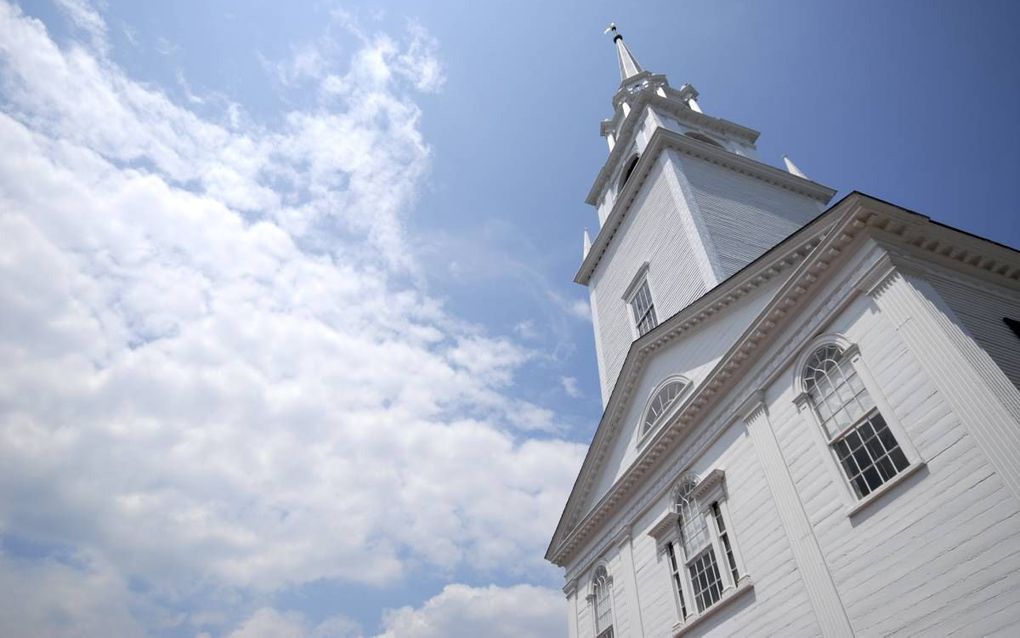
point(663, 400)
point(866, 448)
point(600, 585)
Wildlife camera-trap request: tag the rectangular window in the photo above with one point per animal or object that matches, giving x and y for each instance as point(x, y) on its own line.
point(644, 309)
point(725, 539)
point(705, 579)
point(870, 454)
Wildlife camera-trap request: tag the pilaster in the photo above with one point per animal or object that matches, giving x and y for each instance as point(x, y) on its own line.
point(964, 374)
point(807, 554)
point(623, 541)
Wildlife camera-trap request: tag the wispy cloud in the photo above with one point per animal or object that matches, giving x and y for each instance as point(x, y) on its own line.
point(213, 379)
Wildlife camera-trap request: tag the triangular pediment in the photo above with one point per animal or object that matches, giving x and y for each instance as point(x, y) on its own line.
point(800, 264)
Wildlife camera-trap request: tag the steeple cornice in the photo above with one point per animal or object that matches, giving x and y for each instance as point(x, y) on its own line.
point(673, 104)
point(664, 139)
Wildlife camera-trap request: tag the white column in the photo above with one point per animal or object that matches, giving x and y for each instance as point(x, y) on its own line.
point(627, 567)
point(807, 554)
point(971, 383)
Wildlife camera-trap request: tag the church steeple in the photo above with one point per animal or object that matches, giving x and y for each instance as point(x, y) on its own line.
point(629, 66)
point(683, 203)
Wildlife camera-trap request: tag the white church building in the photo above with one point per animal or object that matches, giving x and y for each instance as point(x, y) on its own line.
point(811, 417)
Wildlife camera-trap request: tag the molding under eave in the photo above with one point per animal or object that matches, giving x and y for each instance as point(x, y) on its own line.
point(855, 216)
point(664, 139)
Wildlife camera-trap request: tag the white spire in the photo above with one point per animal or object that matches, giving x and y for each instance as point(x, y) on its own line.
point(587, 245)
point(629, 66)
point(792, 169)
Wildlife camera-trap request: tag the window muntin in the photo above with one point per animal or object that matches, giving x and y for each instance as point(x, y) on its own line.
point(644, 309)
point(663, 399)
point(864, 445)
point(705, 579)
point(724, 538)
point(702, 560)
point(870, 455)
point(600, 585)
point(693, 530)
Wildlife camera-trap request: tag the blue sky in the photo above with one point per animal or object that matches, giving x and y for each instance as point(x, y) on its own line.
point(291, 345)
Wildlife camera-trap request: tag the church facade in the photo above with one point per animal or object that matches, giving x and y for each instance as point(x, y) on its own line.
point(811, 417)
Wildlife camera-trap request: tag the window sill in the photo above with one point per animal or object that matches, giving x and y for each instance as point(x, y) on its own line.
point(865, 502)
point(728, 597)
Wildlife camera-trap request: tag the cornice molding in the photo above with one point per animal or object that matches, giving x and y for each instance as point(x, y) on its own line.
point(849, 218)
point(663, 139)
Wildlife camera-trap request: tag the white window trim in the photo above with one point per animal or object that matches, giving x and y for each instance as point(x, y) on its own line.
point(666, 532)
point(640, 277)
point(802, 400)
point(678, 403)
point(591, 598)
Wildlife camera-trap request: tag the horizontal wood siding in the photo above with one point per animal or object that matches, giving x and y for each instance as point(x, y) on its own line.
point(981, 312)
point(743, 215)
point(652, 232)
point(921, 556)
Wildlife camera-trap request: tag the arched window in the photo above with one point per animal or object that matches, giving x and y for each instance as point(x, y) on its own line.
point(863, 444)
point(627, 170)
point(665, 397)
point(601, 586)
point(701, 137)
point(702, 560)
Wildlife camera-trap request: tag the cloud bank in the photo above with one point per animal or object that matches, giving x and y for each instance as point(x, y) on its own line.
point(220, 376)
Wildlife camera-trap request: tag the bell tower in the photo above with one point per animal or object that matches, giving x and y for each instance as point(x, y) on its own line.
point(683, 203)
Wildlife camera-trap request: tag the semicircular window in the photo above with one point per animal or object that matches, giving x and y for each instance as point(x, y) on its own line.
point(665, 398)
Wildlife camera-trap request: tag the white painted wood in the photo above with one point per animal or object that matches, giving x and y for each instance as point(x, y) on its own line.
point(807, 554)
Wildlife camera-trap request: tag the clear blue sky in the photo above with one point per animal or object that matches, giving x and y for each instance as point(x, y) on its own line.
point(292, 282)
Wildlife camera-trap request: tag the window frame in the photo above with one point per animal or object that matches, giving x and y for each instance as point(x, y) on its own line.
point(851, 353)
point(643, 434)
point(592, 599)
point(709, 494)
point(639, 281)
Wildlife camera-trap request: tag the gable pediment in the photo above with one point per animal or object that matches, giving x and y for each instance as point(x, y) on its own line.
point(810, 256)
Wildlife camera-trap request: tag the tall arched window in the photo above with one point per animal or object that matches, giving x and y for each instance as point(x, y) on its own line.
point(602, 599)
point(866, 448)
point(664, 398)
point(701, 550)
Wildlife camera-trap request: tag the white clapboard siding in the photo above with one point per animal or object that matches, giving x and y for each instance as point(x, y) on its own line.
point(742, 215)
point(649, 234)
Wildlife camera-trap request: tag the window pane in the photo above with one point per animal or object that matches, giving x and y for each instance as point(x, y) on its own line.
point(706, 580)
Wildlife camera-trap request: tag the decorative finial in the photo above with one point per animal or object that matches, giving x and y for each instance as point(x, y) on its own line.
point(629, 67)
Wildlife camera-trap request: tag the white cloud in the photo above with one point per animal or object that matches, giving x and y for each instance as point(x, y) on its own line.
point(212, 378)
point(571, 388)
point(460, 611)
point(270, 623)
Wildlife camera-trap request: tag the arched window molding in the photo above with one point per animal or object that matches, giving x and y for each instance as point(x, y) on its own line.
point(852, 419)
point(662, 403)
point(601, 600)
point(701, 553)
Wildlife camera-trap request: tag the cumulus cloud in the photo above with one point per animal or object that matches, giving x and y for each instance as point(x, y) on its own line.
point(214, 377)
point(495, 612)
